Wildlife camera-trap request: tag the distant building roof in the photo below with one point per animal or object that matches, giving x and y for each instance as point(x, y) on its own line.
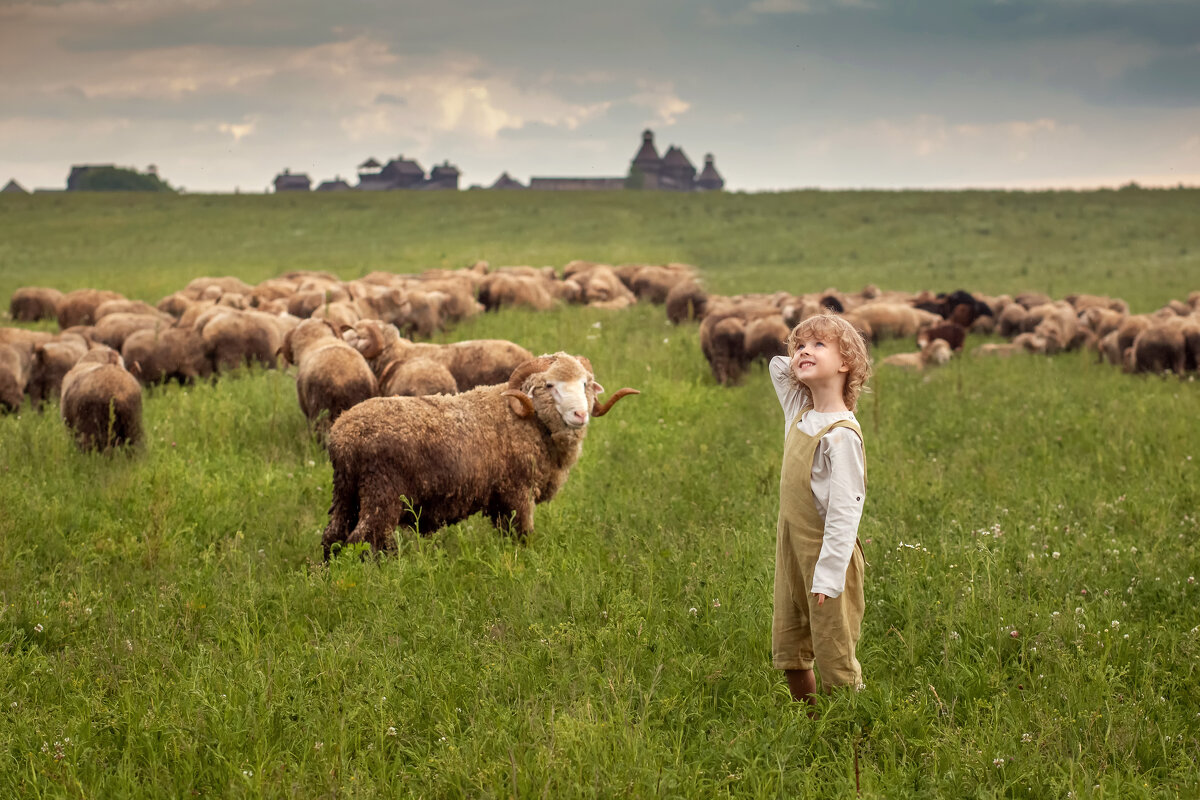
point(647, 156)
point(403, 166)
point(286, 181)
point(506, 182)
point(709, 178)
point(444, 170)
point(675, 158)
point(12, 187)
point(337, 185)
point(370, 163)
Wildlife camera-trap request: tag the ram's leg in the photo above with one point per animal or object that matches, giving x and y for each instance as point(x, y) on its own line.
point(514, 516)
point(378, 514)
point(343, 512)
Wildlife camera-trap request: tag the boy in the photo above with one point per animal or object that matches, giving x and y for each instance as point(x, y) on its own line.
point(818, 559)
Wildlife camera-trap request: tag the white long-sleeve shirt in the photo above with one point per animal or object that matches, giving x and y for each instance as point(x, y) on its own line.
point(839, 484)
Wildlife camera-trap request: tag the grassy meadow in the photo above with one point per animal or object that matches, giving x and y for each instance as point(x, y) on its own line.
point(167, 627)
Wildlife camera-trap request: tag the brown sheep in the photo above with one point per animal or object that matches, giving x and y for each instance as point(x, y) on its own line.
point(1165, 345)
point(934, 353)
point(426, 462)
point(198, 286)
point(416, 377)
point(131, 307)
point(505, 290)
point(953, 333)
point(15, 363)
point(101, 402)
point(31, 303)
point(50, 361)
point(893, 320)
point(654, 282)
point(1083, 302)
point(764, 338)
point(79, 307)
point(331, 376)
point(685, 301)
point(232, 338)
point(1011, 320)
point(112, 330)
point(1101, 321)
point(723, 343)
point(475, 362)
point(157, 356)
point(1031, 299)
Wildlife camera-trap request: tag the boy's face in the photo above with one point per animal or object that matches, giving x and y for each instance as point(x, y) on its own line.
point(818, 361)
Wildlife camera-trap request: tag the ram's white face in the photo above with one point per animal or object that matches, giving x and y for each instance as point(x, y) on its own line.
point(570, 398)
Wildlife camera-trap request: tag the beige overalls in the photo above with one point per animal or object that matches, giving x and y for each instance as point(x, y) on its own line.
point(803, 633)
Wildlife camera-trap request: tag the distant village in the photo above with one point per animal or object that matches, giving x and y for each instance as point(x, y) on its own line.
point(672, 171)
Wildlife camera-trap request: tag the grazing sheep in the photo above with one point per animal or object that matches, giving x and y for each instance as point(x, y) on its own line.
point(935, 353)
point(79, 307)
point(113, 329)
point(505, 290)
point(232, 338)
point(426, 462)
point(131, 307)
point(14, 375)
point(654, 283)
point(157, 356)
point(894, 320)
point(1011, 320)
point(416, 377)
point(331, 376)
point(953, 333)
point(1166, 346)
point(723, 342)
point(764, 338)
point(999, 350)
point(49, 362)
point(31, 303)
point(685, 301)
point(101, 402)
point(475, 362)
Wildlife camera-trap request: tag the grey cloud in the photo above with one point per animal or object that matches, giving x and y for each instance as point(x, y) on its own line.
point(386, 99)
point(1171, 80)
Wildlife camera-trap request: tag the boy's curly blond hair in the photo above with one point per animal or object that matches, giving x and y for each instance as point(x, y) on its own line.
point(832, 328)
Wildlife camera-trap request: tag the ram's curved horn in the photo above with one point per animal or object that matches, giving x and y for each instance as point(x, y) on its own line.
point(373, 344)
point(525, 400)
point(517, 379)
point(600, 410)
point(386, 375)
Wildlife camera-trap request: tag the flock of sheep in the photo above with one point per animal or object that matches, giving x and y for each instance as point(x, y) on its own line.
point(737, 330)
point(425, 434)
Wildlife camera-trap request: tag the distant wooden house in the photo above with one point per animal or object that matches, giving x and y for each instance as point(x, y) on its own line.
point(506, 182)
point(443, 176)
point(12, 187)
point(646, 165)
point(677, 172)
point(710, 180)
point(335, 185)
point(287, 181)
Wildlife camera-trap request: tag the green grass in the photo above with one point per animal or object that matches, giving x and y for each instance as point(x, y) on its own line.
point(192, 644)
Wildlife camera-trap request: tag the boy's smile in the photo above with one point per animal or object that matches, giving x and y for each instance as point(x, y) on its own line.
point(817, 361)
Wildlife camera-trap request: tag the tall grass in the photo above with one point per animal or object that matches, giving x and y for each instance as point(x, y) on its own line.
point(167, 628)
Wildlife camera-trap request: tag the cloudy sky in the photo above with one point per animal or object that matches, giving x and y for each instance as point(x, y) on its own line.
point(786, 93)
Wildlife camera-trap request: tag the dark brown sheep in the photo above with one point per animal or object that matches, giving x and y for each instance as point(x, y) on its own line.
point(31, 303)
point(950, 332)
point(79, 307)
point(654, 283)
point(101, 402)
point(331, 376)
point(426, 462)
point(50, 362)
point(505, 290)
point(1165, 345)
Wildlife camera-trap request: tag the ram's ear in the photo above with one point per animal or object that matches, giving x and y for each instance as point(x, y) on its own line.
point(285, 349)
